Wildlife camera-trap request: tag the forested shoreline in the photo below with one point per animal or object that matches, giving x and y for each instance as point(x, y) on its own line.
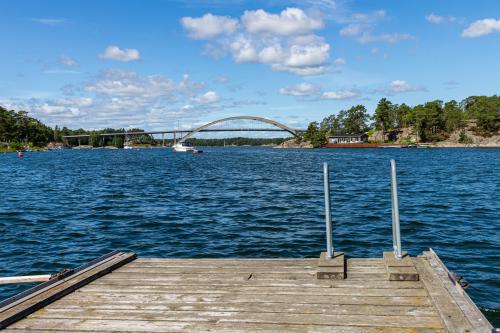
point(432, 121)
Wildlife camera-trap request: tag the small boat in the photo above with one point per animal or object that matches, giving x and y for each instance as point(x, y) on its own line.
point(128, 147)
point(185, 147)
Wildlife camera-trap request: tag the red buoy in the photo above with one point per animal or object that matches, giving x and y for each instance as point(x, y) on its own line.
point(19, 154)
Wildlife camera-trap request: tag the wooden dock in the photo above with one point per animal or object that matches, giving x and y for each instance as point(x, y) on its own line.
point(125, 294)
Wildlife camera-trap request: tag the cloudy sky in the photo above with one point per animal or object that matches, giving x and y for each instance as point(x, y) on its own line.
point(157, 64)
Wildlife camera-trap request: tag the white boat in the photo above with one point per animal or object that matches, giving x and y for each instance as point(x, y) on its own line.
point(185, 147)
point(128, 147)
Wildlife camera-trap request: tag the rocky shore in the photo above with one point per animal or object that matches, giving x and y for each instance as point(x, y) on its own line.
point(293, 144)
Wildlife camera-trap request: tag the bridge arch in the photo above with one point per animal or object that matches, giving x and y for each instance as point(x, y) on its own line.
point(259, 119)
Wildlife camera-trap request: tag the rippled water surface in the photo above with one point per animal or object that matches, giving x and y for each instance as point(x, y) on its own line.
point(61, 209)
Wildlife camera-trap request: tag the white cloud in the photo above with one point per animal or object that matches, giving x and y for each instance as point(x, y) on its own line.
point(209, 97)
point(300, 90)
point(397, 87)
point(209, 26)
point(354, 29)
point(68, 61)
point(291, 21)
point(302, 71)
point(120, 98)
point(362, 25)
point(243, 50)
point(369, 17)
point(305, 55)
point(115, 53)
point(61, 71)
point(340, 61)
point(125, 83)
point(282, 41)
point(340, 95)
point(482, 27)
point(437, 19)
point(387, 38)
point(48, 21)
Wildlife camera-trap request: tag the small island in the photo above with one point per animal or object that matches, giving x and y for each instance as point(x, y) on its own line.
point(473, 122)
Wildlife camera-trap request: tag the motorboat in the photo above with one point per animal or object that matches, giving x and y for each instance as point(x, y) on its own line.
point(185, 147)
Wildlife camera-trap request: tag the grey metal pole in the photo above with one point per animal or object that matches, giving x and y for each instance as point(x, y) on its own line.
point(395, 212)
point(328, 216)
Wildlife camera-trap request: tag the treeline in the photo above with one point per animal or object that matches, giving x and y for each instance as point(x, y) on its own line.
point(430, 122)
point(96, 140)
point(19, 129)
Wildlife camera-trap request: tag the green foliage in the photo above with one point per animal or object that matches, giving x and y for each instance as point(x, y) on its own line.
point(355, 120)
point(384, 115)
point(18, 126)
point(486, 111)
point(94, 139)
point(464, 138)
point(315, 135)
point(118, 141)
point(453, 116)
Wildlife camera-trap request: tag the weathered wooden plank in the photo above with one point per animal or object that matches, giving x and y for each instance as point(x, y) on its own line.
point(78, 326)
point(254, 290)
point(398, 310)
point(254, 262)
point(214, 275)
point(216, 270)
point(469, 309)
point(262, 295)
point(271, 318)
point(231, 282)
point(53, 291)
point(245, 298)
point(179, 269)
point(451, 315)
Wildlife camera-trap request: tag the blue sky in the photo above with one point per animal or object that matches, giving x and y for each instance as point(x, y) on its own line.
point(157, 64)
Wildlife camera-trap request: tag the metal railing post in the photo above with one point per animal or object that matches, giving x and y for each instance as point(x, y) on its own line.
point(396, 232)
point(328, 216)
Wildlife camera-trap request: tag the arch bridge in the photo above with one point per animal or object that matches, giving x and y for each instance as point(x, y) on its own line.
point(277, 127)
point(206, 128)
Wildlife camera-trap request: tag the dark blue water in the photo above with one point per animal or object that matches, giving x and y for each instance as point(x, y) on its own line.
point(61, 209)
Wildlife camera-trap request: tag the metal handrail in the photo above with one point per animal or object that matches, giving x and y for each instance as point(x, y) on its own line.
point(396, 231)
point(328, 214)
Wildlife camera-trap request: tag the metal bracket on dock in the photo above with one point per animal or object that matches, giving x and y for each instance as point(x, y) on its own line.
point(400, 269)
point(331, 268)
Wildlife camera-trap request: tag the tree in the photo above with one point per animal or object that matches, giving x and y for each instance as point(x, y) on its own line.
point(118, 141)
point(355, 120)
point(453, 116)
point(315, 136)
point(94, 139)
point(331, 124)
point(384, 115)
point(402, 113)
point(486, 111)
point(312, 131)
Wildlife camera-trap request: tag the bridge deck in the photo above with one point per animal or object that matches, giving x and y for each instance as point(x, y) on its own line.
point(222, 295)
